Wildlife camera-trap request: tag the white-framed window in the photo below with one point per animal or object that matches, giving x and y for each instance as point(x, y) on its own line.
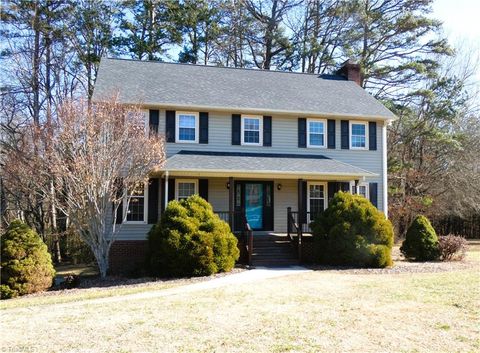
point(135, 205)
point(316, 198)
point(316, 133)
point(185, 188)
point(186, 127)
point(362, 189)
point(358, 135)
point(252, 130)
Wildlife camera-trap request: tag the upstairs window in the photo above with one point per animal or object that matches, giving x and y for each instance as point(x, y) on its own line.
point(136, 210)
point(358, 135)
point(187, 127)
point(316, 133)
point(185, 188)
point(252, 130)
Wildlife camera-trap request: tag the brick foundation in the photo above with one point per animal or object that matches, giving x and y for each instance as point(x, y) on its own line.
point(308, 250)
point(127, 257)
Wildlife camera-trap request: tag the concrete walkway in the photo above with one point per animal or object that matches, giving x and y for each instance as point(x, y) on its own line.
point(257, 274)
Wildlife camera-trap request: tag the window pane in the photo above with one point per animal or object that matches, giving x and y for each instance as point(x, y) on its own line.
point(251, 136)
point(316, 127)
point(136, 205)
point(362, 190)
point(358, 141)
point(186, 134)
point(251, 124)
point(186, 121)
point(185, 190)
point(186, 127)
point(316, 140)
point(316, 191)
point(358, 129)
point(316, 207)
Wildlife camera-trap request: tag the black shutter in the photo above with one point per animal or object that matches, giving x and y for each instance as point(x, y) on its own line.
point(373, 193)
point(118, 193)
point(333, 187)
point(162, 196)
point(153, 121)
point(345, 135)
point(171, 189)
point(302, 202)
point(236, 129)
point(302, 132)
point(203, 188)
point(170, 125)
point(203, 128)
point(267, 131)
point(345, 186)
point(331, 133)
point(372, 135)
point(153, 186)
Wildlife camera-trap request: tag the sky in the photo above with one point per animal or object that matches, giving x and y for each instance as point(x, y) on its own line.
point(461, 22)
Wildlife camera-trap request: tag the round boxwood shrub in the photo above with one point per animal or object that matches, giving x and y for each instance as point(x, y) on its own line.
point(191, 240)
point(26, 264)
point(352, 231)
point(421, 241)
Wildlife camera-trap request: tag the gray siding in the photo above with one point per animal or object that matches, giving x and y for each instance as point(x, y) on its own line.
point(284, 140)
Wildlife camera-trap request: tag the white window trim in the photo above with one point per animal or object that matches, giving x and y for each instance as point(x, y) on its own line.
point(145, 207)
point(367, 187)
point(177, 126)
point(260, 131)
point(324, 133)
point(351, 132)
point(325, 193)
point(178, 181)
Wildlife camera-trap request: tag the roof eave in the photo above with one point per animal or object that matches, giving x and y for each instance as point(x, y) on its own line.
point(268, 173)
point(261, 111)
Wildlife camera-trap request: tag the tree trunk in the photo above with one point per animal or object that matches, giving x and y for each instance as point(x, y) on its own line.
point(36, 67)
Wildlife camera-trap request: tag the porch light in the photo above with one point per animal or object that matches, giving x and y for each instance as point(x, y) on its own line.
point(227, 185)
point(279, 186)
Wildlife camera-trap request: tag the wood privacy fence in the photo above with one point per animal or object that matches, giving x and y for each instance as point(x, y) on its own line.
point(468, 227)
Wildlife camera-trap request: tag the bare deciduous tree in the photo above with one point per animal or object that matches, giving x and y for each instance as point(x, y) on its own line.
point(96, 154)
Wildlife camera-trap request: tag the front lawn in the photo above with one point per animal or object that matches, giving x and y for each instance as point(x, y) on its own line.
point(318, 311)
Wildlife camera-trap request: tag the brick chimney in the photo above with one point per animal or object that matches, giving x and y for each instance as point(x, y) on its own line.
point(351, 71)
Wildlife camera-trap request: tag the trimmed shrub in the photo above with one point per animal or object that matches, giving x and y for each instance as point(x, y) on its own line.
point(452, 247)
point(26, 264)
point(191, 240)
point(352, 231)
point(421, 242)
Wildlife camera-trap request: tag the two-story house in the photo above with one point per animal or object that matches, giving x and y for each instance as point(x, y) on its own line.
point(252, 141)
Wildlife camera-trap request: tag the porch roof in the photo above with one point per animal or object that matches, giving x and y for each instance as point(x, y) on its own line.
point(235, 164)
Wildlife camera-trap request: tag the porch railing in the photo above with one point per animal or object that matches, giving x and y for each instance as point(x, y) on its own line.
point(240, 227)
point(298, 223)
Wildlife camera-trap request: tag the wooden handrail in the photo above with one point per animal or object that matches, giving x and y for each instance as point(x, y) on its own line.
point(246, 233)
point(298, 230)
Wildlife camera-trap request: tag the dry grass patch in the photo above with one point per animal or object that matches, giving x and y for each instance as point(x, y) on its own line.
point(319, 311)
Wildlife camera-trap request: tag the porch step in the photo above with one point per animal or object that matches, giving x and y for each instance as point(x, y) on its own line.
point(271, 251)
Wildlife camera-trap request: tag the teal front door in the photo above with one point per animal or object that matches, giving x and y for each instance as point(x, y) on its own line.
point(254, 205)
point(255, 200)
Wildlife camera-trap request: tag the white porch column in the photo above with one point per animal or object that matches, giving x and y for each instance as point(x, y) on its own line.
point(384, 174)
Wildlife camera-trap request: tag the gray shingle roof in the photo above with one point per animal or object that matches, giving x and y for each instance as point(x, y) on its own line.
point(182, 85)
point(261, 163)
